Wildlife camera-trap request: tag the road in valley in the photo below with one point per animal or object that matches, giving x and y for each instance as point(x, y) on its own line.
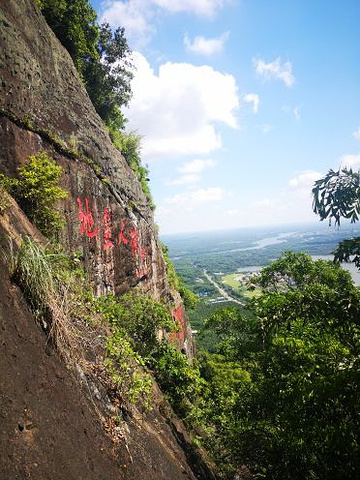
point(223, 292)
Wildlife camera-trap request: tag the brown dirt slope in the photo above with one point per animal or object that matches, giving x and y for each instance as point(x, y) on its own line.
point(47, 429)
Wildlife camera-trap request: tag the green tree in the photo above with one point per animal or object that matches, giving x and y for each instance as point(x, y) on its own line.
point(297, 361)
point(102, 57)
point(74, 24)
point(337, 196)
point(108, 75)
point(236, 331)
point(298, 420)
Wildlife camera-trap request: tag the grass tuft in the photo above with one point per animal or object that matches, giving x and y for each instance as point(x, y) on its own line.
point(41, 276)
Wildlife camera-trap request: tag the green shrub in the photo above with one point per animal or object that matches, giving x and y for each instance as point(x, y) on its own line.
point(129, 144)
point(135, 320)
point(126, 369)
point(7, 183)
point(139, 316)
point(189, 298)
point(44, 280)
point(37, 192)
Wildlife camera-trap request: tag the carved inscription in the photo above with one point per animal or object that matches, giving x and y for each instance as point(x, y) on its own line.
point(112, 236)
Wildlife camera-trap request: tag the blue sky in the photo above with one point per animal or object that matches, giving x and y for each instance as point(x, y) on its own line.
point(242, 104)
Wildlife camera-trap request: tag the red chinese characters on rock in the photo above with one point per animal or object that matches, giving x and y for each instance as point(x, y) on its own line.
point(144, 255)
point(141, 272)
point(86, 219)
point(131, 240)
point(134, 241)
point(107, 229)
point(180, 321)
point(121, 237)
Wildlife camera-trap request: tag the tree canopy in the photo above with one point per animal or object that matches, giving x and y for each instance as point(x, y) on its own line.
point(102, 57)
point(292, 409)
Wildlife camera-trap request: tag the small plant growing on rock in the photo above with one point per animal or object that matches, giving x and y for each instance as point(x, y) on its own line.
point(129, 144)
point(37, 192)
point(126, 368)
point(4, 201)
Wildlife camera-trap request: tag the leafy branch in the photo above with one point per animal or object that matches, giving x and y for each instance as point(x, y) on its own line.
point(337, 195)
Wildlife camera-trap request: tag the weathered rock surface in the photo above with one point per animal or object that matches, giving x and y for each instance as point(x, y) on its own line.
point(41, 88)
point(44, 106)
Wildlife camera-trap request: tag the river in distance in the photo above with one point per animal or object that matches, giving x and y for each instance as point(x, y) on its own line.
point(249, 249)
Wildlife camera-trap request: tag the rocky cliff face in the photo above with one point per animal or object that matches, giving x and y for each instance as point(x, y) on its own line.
point(51, 425)
point(44, 106)
point(52, 428)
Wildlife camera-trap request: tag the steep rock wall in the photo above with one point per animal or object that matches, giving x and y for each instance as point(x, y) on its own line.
point(44, 106)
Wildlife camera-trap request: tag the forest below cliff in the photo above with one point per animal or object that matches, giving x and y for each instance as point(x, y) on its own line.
point(277, 394)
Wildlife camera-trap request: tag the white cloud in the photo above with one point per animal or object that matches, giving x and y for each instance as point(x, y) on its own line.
point(305, 180)
point(288, 205)
point(191, 171)
point(197, 165)
point(178, 108)
point(135, 15)
point(206, 46)
point(350, 161)
point(202, 195)
point(190, 210)
point(253, 99)
point(139, 17)
point(291, 204)
point(356, 134)
point(184, 180)
point(202, 141)
point(275, 70)
point(232, 213)
point(206, 8)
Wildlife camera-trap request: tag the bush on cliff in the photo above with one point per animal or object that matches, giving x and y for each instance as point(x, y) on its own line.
point(102, 57)
point(129, 144)
point(136, 320)
point(37, 192)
